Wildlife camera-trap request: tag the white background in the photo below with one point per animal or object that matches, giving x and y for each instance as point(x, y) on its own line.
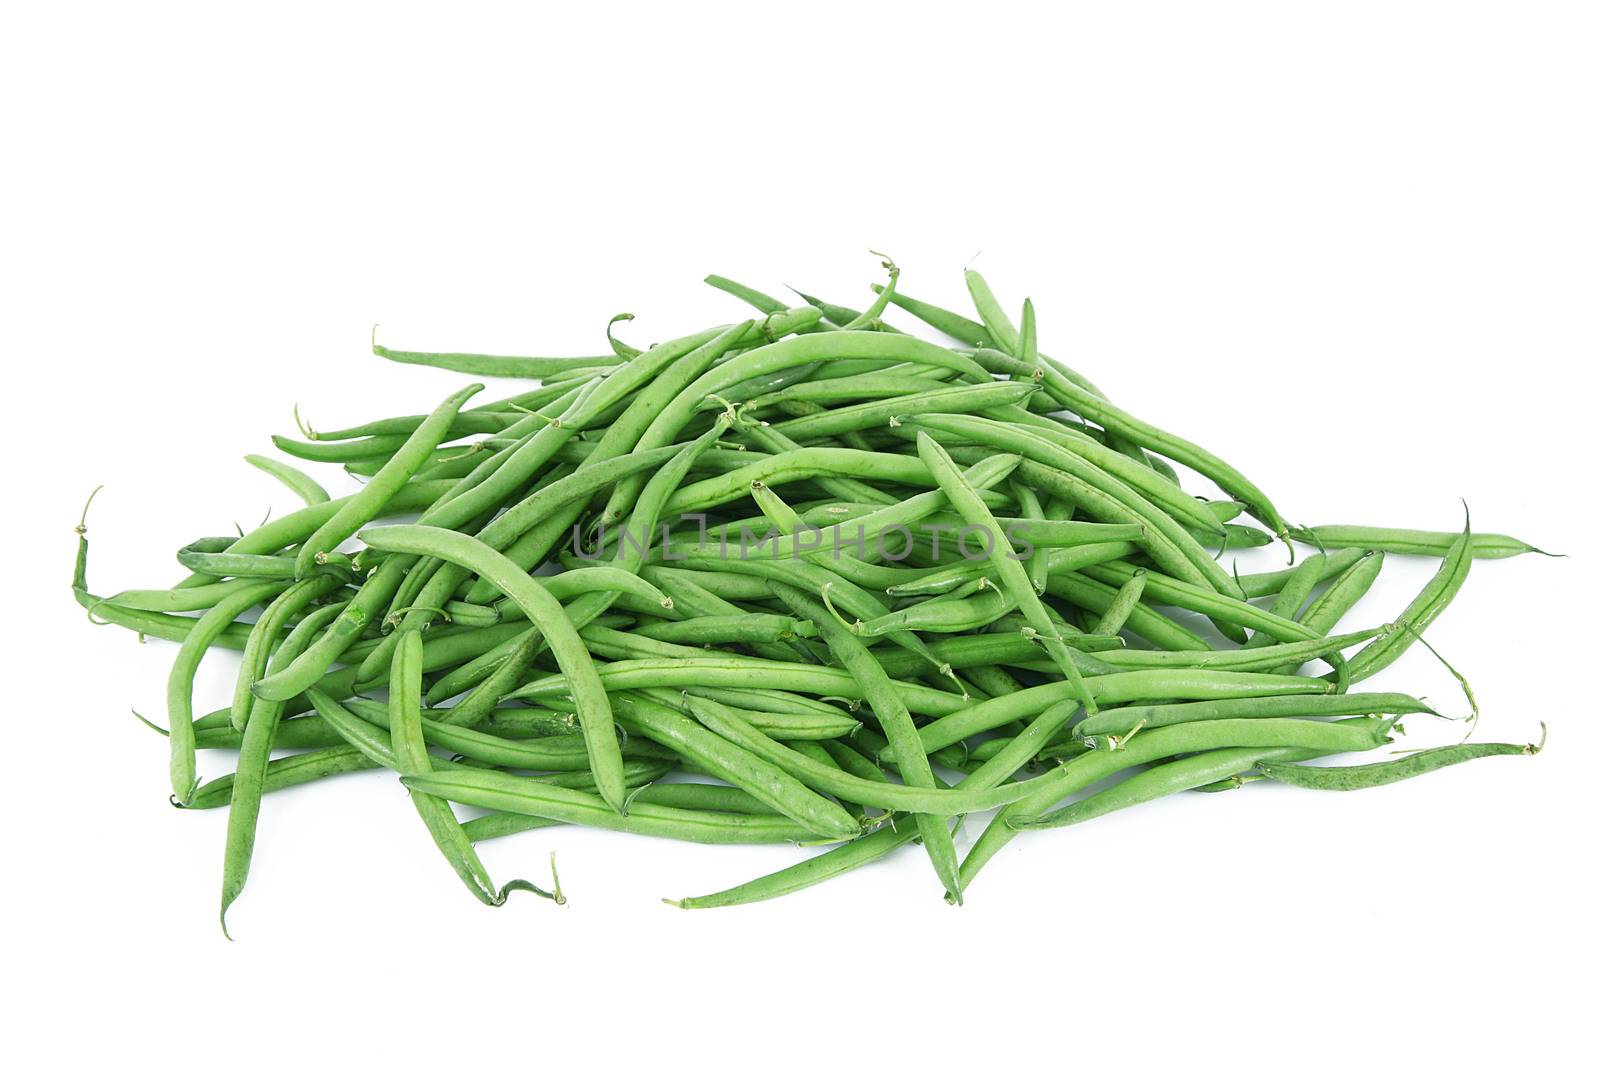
point(1351, 247)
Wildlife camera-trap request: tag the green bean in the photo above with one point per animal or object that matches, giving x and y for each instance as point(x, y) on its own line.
point(189, 599)
point(1043, 532)
point(547, 753)
point(1427, 606)
point(762, 302)
point(365, 505)
point(493, 365)
point(478, 615)
point(364, 457)
point(362, 610)
point(871, 848)
point(298, 482)
point(1032, 510)
point(594, 710)
point(295, 734)
point(701, 586)
point(735, 763)
point(364, 736)
point(250, 779)
point(518, 722)
point(1267, 583)
point(1049, 467)
point(1157, 488)
point(724, 670)
point(1145, 717)
point(1289, 599)
point(1013, 576)
point(1351, 584)
point(619, 348)
point(783, 726)
point(796, 466)
point(854, 569)
point(572, 584)
point(890, 709)
point(703, 797)
point(1143, 620)
point(296, 527)
point(901, 797)
point(1065, 560)
point(767, 701)
point(1148, 684)
point(872, 526)
point(1185, 774)
point(560, 501)
point(507, 408)
point(798, 350)
point(1233, 537)
point(235, 565)
point(1119, 422)
point(489, 676)
point(1219, 606)
point(180, 682)
point(264, 635)
point(735, 629)
point(1115, 617)
point(497, 682)
point(411, 756)
point(1261, 658)
point(629, 433)
point(517, 794)
point(945, 616)
point(1358, 777)
point(852, 598)
point(1412, 542)
point(863, 386)
point(154, 624)
point(620, 645)
point(690, 597)
point(1089, 768)
point(956, 399)
point(284, 772)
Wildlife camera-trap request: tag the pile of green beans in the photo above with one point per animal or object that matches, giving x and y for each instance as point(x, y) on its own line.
point(806, 578)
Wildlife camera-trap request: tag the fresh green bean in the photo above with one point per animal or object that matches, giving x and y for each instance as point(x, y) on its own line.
point(1150, 684)
point(1268, 583)
point(180, 682)
point(250, 779)
point(1122, 721)
point(1423, 610)
point(1412, 542)
point(296, 481)
point(594, 710)
point(531, 797)
point(1346, 590)
point(896, 796)
point(1115, 617)
point(365, 505)
point(735, 763)
point(1358, 777)
point(890, 709)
